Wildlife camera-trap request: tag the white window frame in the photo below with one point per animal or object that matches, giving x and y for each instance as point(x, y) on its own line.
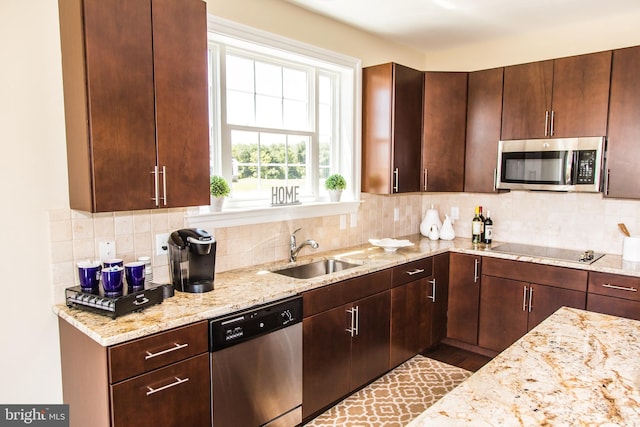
point(350, 130)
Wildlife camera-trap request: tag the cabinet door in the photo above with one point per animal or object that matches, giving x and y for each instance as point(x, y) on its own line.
point(438, 298)
point(527, 100)
point(464, 298)
point(326, 359)
point(370, 346)
point(177, 395)
point(391, 128)
point(581, 95)
point(443, 138)
point(484, 119)
point(545, 300)
point(614, 306)
point(181, 90)
point(503, 312)
point(623, 144)
point(109, 103)
point(409, 323)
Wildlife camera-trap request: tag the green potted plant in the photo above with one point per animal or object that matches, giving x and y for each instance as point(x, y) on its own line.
point(219, 189)
point(335, 184)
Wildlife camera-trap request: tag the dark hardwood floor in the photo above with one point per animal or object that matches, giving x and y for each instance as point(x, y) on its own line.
point(457, 357)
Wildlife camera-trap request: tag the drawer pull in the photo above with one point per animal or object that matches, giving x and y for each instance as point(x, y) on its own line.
point(416, 271)
point(141, 301)
point(620, 288)
point(169, 350)
point(178, 381)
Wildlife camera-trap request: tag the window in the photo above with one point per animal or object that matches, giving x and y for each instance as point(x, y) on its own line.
point(282, 113)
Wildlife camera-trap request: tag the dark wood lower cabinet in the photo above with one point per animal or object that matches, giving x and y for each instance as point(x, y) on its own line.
point(614, 306)
point(347, 346)
point(464, 298)
point(614, 294)
point(174, 396)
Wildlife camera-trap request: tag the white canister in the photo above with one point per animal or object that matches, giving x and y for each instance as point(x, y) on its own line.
point(631, 249)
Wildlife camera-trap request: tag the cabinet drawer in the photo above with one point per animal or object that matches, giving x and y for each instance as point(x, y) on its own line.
point(561, 277)
point(614, 285)
point(176, 395)
point(336, 294)
point(411, 271)
point(142, 355)
point(614, 306)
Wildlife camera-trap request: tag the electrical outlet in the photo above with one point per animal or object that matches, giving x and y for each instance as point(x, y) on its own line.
point(396, 214)
point(455, 212)
point(162, 245)
point(107, 249)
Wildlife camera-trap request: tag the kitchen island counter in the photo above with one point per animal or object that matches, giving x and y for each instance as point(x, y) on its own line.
point(575, 368)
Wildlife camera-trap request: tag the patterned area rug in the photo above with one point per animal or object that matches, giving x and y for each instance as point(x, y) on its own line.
point(396, 398)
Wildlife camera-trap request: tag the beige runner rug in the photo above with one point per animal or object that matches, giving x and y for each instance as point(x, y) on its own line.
point(396, 398)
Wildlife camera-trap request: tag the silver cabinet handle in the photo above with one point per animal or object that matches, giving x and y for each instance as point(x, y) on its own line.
point(164, 185)
point(396, 180)
point(530, 297)
point(169, 350)
point(433, 290)
point(546, 123)
point(352, 327)
point(620, 288)
point(606, 183)
point(178, 381)
point(551, 128)
point(416, 271)
point(476, 268)
point(156, 197)
point(426, 176)
point(524, 299)
point(357, 308)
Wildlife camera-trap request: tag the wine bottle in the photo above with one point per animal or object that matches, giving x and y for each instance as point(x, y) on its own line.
point(488, 229)
point(482, 228)
point(476, 227)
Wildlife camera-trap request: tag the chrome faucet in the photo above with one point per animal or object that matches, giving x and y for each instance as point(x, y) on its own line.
point(294, 248)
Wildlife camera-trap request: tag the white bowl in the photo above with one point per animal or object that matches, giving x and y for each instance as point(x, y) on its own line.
point(390, 245)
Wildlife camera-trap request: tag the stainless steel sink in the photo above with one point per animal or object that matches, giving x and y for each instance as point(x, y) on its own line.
point(315, 269)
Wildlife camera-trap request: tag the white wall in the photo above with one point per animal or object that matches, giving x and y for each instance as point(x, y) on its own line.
point(33, 161)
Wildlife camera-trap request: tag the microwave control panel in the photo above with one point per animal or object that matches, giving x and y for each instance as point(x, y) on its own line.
point(585, 167)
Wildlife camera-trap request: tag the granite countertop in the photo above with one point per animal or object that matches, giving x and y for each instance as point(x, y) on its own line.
point(574, 368)
point(247, 287)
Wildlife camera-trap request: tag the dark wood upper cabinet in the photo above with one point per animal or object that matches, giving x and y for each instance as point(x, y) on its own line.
point(566, 97)
point(391, 129)
point(623, 146)
point(484, 120)
point(136, 103)
point(444, 127)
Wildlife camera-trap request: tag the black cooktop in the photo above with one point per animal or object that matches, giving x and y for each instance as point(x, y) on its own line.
point(570, 255)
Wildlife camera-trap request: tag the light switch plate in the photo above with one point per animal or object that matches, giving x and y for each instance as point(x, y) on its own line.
point(107, 249)
point(455, 212)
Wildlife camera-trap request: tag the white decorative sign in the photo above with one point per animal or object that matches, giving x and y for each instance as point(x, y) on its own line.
point(282, 196)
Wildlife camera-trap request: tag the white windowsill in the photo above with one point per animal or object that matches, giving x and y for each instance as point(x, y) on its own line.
point(235, 217)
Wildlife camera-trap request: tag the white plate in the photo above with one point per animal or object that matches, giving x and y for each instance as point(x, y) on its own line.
point(390, 245)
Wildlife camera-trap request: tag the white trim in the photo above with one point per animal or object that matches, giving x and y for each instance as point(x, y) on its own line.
point(235, 217)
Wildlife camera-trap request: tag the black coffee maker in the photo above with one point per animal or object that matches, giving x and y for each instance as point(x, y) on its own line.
point(192, 260)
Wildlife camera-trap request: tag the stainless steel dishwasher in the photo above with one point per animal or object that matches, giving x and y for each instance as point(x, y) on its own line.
point(256, 366)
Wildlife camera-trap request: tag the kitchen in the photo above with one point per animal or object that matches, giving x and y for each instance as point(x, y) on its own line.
point(35, 155)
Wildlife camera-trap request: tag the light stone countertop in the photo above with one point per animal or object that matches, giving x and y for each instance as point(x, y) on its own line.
point(243, 288)
point(576, 368)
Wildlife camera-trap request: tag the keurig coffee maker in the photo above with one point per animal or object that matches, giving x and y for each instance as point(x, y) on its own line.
point(192, 260)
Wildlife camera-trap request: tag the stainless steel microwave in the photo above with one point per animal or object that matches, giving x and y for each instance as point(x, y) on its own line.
point(559, 164)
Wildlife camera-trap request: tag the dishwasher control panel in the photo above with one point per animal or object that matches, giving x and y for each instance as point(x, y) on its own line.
point(243, 325)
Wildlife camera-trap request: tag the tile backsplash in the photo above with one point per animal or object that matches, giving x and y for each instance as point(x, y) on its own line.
point(567, 220)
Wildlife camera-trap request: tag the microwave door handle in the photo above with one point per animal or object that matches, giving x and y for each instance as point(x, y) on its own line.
point(572, 158)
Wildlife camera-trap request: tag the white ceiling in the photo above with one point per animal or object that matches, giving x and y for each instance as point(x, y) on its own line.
point(441, 24)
